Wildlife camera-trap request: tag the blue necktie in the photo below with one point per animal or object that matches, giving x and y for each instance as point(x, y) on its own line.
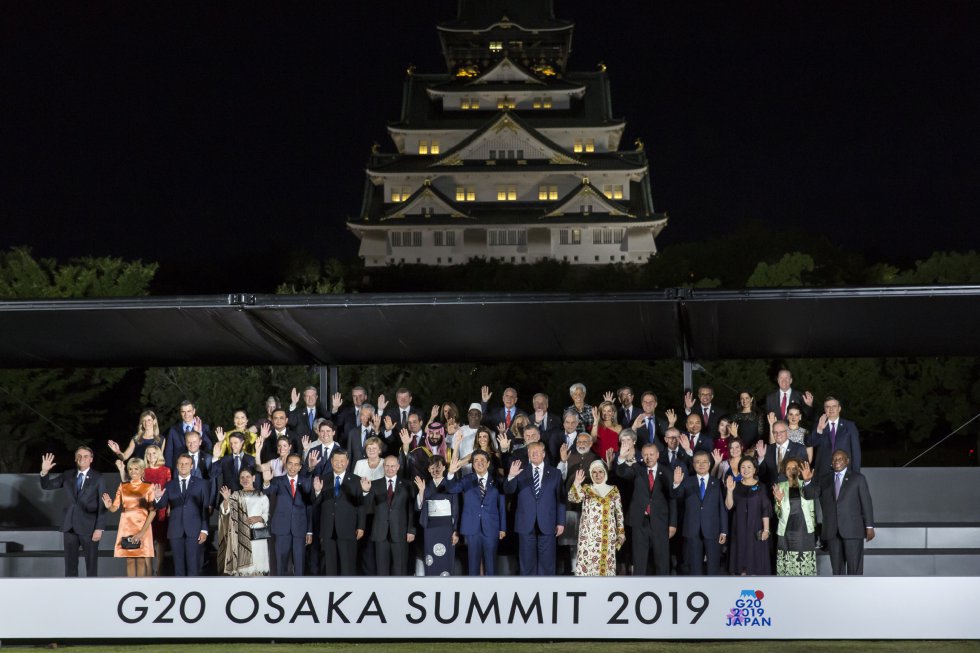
point(537, 481)
point(702, 489)
point(78, 483)
point(336, 486)
point(311, 415)
point(650, 429)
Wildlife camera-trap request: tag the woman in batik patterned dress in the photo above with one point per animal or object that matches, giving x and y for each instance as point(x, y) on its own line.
point(601, 528)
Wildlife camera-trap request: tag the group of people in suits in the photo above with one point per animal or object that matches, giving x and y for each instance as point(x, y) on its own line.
point(496, 476)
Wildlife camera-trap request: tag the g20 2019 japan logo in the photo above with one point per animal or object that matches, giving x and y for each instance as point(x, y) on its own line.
point(748, 610)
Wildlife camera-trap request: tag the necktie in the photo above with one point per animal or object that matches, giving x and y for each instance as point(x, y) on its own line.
point(837, 481)
point(694, 442)
point(507, 418)
point(650, 428)
point(707, 415)
point(364, 436)
point(782, 407)
point(391, 490)
point(404, 417)
point(336, 486)
point(779, 456)
point(187, 427)
point(292, 487)
point(312, 416)
point(78, 483)
point(537, 481)
point(672, 454)
point(650, 485)
point(183, 485)
point(629, 414)
point(833, 436)
point(702, 488)
point(483, 489)
point(238, 465)
point(194, 459)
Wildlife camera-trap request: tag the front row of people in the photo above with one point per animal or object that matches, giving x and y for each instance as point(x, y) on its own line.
point(367, 523)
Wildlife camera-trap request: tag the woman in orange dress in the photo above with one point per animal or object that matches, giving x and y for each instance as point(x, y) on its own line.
point(157, 473)
point(135, 497)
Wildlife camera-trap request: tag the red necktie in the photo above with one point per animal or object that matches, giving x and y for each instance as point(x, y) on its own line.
point(507, 418)
point(650, 483)
point(292, 487)
point(782, 407)
point(391, 490)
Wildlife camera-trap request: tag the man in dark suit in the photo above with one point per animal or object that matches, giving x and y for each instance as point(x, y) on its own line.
point(187, 525)
point(394, 518)
point(649, 428)
point(291, 521)
point(705, 526)
point(346, 417)
point(833, 433)
point(502, 414)
point(672, 453)
point(84, 512)
point(626, 412)
point(695, 439)
point(540, 515)
point(189, 421)
point(548, 423)
point(324, 447)
point(337, 495)
point(393, 434)
point(399, 413)
point(303, 417)
point(779, 401)
point(484, 519)
point(229, 467)
point(848, 517)
point(567, 436)
point(280, 429)
point(653, 511)
point(358, 435)
point(703, 408)
point(771, 457)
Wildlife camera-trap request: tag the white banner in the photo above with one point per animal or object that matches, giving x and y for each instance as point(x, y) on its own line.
point(502, 608)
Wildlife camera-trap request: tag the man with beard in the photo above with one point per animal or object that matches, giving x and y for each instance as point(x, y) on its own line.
point(417, 459)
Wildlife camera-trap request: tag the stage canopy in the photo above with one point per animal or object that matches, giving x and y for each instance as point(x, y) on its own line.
point(243, 329)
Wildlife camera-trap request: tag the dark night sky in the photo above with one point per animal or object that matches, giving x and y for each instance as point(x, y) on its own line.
point(174, 132)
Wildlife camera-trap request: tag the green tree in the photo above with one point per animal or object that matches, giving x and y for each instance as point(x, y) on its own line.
point(47, 409)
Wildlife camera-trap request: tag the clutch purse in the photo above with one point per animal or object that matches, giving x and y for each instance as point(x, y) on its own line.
point(126, 543)
point(262, 533)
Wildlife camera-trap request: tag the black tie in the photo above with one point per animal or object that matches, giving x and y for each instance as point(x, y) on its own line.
point(183, 485)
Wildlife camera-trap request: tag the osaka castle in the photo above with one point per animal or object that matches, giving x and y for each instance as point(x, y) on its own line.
point(507, 155)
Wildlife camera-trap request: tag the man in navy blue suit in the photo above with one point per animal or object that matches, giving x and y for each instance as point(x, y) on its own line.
point(705, 525)
point(540, 515)
point(189, 421)
point(832, 434)
point(484, 519)
point(84, 519)
point(291, 521)
point(704, 409)
point(771, 457)
point(695, 439)
point(187, 525)
point(302, 418)
point(230, 466)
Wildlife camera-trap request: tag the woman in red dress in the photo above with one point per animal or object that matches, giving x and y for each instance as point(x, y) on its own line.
point(157, 473)
point(605, 428)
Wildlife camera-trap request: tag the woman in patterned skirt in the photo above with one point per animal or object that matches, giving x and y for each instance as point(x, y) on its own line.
point(601, 529)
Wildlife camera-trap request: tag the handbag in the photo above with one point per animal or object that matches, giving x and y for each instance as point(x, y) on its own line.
point(126, 543)
point(262, 533)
